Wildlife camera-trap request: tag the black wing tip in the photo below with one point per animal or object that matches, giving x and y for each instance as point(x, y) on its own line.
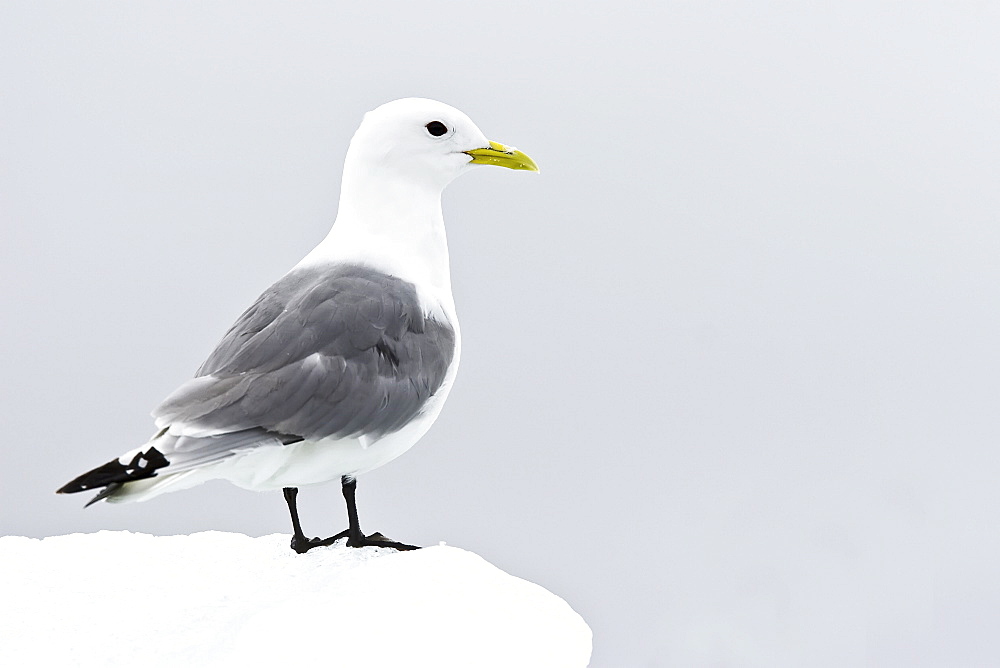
point(110, 489)
point(115, 474)
point(85, 482)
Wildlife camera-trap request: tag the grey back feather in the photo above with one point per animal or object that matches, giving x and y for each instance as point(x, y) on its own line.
point(340, 351)
point(186, 452)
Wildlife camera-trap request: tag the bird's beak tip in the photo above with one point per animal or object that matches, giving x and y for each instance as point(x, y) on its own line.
point(502, 156)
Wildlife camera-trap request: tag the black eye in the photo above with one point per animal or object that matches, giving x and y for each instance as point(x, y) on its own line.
point(436, 128)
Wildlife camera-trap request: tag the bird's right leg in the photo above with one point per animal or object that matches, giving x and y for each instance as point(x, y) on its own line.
point(355, 536)
point(300, 543)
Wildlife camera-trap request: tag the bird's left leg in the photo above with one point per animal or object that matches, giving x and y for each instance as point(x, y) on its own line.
point(300, 543)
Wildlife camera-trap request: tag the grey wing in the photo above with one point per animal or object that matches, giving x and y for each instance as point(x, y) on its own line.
point(340, 352)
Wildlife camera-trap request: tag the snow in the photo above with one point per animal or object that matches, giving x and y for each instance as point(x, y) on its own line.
point(222, 599)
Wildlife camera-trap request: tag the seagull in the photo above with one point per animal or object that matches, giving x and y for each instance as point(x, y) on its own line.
point(345, 362)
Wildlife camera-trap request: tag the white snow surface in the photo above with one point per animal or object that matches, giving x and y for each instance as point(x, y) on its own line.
point(222, 599)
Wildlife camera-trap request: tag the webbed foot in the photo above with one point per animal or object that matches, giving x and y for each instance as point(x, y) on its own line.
point(301, 544)
point(378, 540)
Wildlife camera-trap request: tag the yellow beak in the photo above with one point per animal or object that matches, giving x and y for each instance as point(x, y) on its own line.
point(502, 156)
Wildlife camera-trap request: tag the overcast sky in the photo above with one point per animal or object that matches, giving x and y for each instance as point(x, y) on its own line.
point(730, 375)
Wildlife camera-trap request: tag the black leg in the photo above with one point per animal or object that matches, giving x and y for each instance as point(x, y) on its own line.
point(355, 537)
point(290, 494)
point(300, 543)
point(349, 486)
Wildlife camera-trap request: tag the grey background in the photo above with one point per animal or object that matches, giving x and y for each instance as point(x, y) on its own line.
point(730, 370)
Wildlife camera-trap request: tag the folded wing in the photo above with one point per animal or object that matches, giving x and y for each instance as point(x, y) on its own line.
point(340, 351)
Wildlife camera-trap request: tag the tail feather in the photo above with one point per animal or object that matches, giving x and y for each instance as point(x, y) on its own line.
point(104, 493)
point(184, 455)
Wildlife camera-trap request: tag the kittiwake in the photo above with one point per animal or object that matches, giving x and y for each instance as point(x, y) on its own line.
point(346, 361)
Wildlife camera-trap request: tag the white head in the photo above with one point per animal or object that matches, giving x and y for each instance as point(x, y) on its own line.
point(399, 162)
point(423, 142)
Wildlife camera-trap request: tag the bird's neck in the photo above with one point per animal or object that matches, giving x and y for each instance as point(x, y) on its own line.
point(394, 226)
